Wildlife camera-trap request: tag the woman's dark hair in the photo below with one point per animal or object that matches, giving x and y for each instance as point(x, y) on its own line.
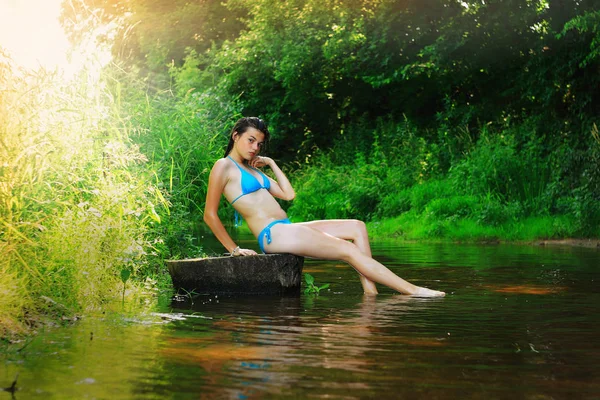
point(242, 126)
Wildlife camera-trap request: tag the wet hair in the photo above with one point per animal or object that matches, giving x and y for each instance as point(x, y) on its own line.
point(242, 126)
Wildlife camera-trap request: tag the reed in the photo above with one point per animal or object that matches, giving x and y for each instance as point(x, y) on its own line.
point(75, 200)
point(183, 136)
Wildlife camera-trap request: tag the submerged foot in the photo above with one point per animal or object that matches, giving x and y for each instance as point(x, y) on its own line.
point(424, 292)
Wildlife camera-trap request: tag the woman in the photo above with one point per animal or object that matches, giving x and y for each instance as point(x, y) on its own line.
point(253, 196)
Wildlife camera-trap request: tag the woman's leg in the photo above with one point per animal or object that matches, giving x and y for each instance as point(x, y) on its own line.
point(303, 240)
point(348, 229)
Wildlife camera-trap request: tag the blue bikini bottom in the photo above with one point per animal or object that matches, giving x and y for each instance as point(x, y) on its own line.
point(267, 232)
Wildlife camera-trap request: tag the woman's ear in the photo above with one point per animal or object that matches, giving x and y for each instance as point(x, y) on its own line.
point(234, 136)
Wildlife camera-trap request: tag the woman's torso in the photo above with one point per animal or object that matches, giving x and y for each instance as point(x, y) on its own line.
point(259, 207)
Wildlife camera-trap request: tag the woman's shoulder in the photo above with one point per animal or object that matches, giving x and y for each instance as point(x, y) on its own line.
point(222, 165)
point(221, 162)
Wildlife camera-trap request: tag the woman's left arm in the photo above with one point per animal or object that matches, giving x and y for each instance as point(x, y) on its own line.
point(280, 186)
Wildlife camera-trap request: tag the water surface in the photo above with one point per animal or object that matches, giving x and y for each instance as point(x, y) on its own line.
point(518, 322)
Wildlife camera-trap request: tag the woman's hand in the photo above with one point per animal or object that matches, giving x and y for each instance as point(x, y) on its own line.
point(243, 252)
point(280, 186)
point(260, 161)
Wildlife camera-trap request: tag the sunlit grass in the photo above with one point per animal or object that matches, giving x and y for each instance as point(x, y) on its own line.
point(13, 296)
point(413, 226)
point(75, 200)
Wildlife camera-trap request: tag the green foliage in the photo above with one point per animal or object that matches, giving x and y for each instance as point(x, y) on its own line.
point(14, 296)
point(497, 185)
point(182, 136)
point(453, 206)
point(312, 67)
point(125, 275)
point(399, 96)
point(498, 167)
point(152, 35)
point(576, 185)
point(310, 287)
point(325, 192)
point(587, 23)
point(365, 174)
point(75, 199)
point(463, 120)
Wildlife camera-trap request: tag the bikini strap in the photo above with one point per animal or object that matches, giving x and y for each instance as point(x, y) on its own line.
point(238, 165)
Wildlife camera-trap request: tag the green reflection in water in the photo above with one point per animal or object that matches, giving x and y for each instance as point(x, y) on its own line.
point(519, 322)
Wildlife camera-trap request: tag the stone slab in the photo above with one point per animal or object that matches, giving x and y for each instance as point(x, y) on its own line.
point(258, 274)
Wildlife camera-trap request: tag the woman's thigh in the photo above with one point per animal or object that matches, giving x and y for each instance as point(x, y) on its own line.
point(303, 240)
point(340, 228)
point(348, 229)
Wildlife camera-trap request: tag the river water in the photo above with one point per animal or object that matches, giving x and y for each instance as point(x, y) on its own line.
point(518, 322)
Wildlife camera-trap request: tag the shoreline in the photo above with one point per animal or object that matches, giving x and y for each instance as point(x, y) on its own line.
point(566, 242)
point(589, 243)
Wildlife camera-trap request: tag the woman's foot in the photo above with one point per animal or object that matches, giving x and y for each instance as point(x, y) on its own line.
point(424, 292)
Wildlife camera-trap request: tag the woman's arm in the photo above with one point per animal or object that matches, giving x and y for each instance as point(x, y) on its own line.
point(216, 184)
point(281, 187)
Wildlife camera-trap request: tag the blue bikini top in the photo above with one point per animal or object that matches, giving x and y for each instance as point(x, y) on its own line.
point(249, 183)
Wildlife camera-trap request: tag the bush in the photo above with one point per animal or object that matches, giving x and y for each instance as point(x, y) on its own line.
point(423, 194)
point(498, 167)
point(394, 203)
point(329, 193)
point(455, 206)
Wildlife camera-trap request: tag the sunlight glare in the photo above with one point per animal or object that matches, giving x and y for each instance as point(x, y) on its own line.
point(31, 34)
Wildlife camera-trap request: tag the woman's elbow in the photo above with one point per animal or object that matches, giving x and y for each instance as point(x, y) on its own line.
point(290, 196)
point(209, 218)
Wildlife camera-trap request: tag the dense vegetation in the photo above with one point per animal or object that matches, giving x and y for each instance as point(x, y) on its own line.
point(465, 120)
point(446, 111)
point(76, 201)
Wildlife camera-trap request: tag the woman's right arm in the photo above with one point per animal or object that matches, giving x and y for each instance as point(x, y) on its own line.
point(216, 183)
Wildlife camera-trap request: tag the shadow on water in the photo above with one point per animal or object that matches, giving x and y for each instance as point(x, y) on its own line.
point(518, 322)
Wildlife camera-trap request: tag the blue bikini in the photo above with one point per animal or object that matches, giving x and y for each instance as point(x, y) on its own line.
point(249, 185)
point(267, 232)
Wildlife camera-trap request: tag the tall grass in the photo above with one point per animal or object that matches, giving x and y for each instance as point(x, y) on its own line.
point(182, 135)
point(75, 201)
point(13, 298)
point(504, 187)
point(364, 176)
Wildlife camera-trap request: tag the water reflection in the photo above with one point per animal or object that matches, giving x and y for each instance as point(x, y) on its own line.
point(271, 345)
point(519, 322)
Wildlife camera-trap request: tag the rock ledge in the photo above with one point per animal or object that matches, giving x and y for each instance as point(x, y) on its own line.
point(259, 274)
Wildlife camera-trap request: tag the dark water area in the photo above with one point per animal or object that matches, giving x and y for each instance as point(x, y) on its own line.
point(519, 322)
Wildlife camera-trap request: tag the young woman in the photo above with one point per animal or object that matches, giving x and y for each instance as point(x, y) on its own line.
point(252, 194)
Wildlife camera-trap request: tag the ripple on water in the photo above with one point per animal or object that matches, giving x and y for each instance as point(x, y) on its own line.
point(518, 322)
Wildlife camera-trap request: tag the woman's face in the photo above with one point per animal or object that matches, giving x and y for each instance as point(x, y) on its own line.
point(249, 143)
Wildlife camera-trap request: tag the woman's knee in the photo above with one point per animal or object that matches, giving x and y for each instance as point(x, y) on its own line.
point(361, 226)
point(359, 229)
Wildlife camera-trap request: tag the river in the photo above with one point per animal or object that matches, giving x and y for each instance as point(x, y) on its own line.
point(518, 322)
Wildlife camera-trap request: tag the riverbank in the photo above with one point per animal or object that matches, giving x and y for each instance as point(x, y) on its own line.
point(534, 230)
point(590, 243)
